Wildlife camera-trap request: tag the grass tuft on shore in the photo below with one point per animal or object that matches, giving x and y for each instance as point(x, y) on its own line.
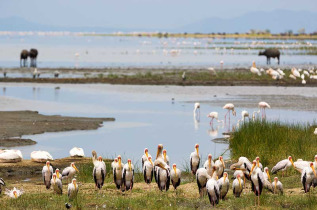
point(273, 141)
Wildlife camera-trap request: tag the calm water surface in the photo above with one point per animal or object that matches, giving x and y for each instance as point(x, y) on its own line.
point(144, 118)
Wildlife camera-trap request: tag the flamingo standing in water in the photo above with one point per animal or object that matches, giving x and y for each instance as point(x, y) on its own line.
point(263, 105)
point(197, 110)
point(213, 115)
point(229, 107)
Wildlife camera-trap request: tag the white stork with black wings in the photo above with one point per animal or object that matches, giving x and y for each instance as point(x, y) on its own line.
point(47, 173)
point(69, 172)
point(202, 177)
point(99, 172)
point(176, 176)
point(57, 184)
point(117, 173)
point(148, 170)
point(308, 176)
point(162, 174)
point(128, 175)
point(194, 160)
point(283, 165)
point(257, 180)
point(145, 156)
point(72, 190)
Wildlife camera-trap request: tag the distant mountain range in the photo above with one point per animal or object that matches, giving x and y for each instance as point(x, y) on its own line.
point(276, 21)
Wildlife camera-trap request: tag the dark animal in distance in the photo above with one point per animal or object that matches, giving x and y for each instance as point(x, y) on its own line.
point(271, 53)
point(24, 58)
point(33, 55)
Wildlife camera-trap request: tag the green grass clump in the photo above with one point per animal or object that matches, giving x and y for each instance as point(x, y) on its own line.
point(273, 141)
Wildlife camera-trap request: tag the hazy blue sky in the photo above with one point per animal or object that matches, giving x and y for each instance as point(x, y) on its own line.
point(139, 13)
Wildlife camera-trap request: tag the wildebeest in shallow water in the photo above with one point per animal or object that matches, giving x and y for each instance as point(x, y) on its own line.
point(24, 58)
point(33, 55)
point(271, 53)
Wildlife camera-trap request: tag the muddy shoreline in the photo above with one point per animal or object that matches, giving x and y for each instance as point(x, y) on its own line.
point(16, 142)
point(19, 123)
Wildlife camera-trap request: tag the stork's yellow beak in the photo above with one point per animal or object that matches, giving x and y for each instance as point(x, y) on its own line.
point(239, 180)
point(258, 163)
point(292, 163)
point(275, 183)
point(164, 156)
point(15, 194)
point(253, 166)
point(151, 162)
point(130, 167)
point(75, 168)
point(147, 154)
point(57, 174)
point(175, 171)
point(197, 150)
point(224, 176)
point(209, 161)
point(268, 175)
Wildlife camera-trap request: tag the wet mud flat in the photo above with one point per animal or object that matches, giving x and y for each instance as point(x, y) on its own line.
point(14, 124)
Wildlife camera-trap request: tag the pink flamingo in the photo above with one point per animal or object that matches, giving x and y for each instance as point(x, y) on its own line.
point(229, 107)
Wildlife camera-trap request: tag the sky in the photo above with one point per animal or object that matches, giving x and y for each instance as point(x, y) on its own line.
point(139, 13)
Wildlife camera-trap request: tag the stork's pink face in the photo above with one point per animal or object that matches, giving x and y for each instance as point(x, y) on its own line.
point(100, 158)
point(266, 169)
point(238, 176)
point(275, 179)
point(54, 176)
point(119, 158)
point(116, 160)
point(197, 146)
point(129, 161)
point(164, 151)
point(57, 170)
point(149, 158)
point(220, 158)
point(209, 156)
point(174, 165)
point(146, 150)
point(290, 158)
point(257, 158)
point(315, 157)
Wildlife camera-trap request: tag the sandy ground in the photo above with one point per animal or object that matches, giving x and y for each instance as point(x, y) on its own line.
point(18, 123)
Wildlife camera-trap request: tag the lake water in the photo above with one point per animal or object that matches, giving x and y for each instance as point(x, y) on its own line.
point(73, 50)
point(145, 117)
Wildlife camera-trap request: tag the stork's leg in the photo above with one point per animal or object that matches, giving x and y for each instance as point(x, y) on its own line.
point(244, 181)
point(258, 200)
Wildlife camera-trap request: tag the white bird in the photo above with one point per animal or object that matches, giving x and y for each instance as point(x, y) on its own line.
point(229, 107)
point(262, 106)
point(213, 190)
point(57, 184)
point(281, 72)
point(293, 77)
point(166, 158)
point(237, 186)
point(313, 77)
point(194, 159)
point(77, 152)
point(159, 162)
point(267, 180)
point(300, 164)
point(162, 174)
point(254, 70)
point(184, 76)
point(117, 174)
point(10, 156)
point(220, 166)
point(244, 114)
point(69, 172)
point(306, 73)
point(197, 109)
point(283, 165)
point(47, 173)
point(128, 175)
point(266, 174)
point(315, 131)
point(304, 82)
point(36, 73)
point(2, 183)
point(209, 164)
point(99, 172)
point(258, 164)
point(41, 156)
point(308, 176)
point(223, 184)
point(148, 170)
point(14, 193)
point(201, 178)
point(176, 176)
point(278, 186)
point(56, 73)
point(257, 180)
point(145, 156)
point(72, 190)
point(295, 72)
point(213, 115)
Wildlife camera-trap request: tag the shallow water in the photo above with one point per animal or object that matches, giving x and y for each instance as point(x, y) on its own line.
point(145, 117)
point(110, 51)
